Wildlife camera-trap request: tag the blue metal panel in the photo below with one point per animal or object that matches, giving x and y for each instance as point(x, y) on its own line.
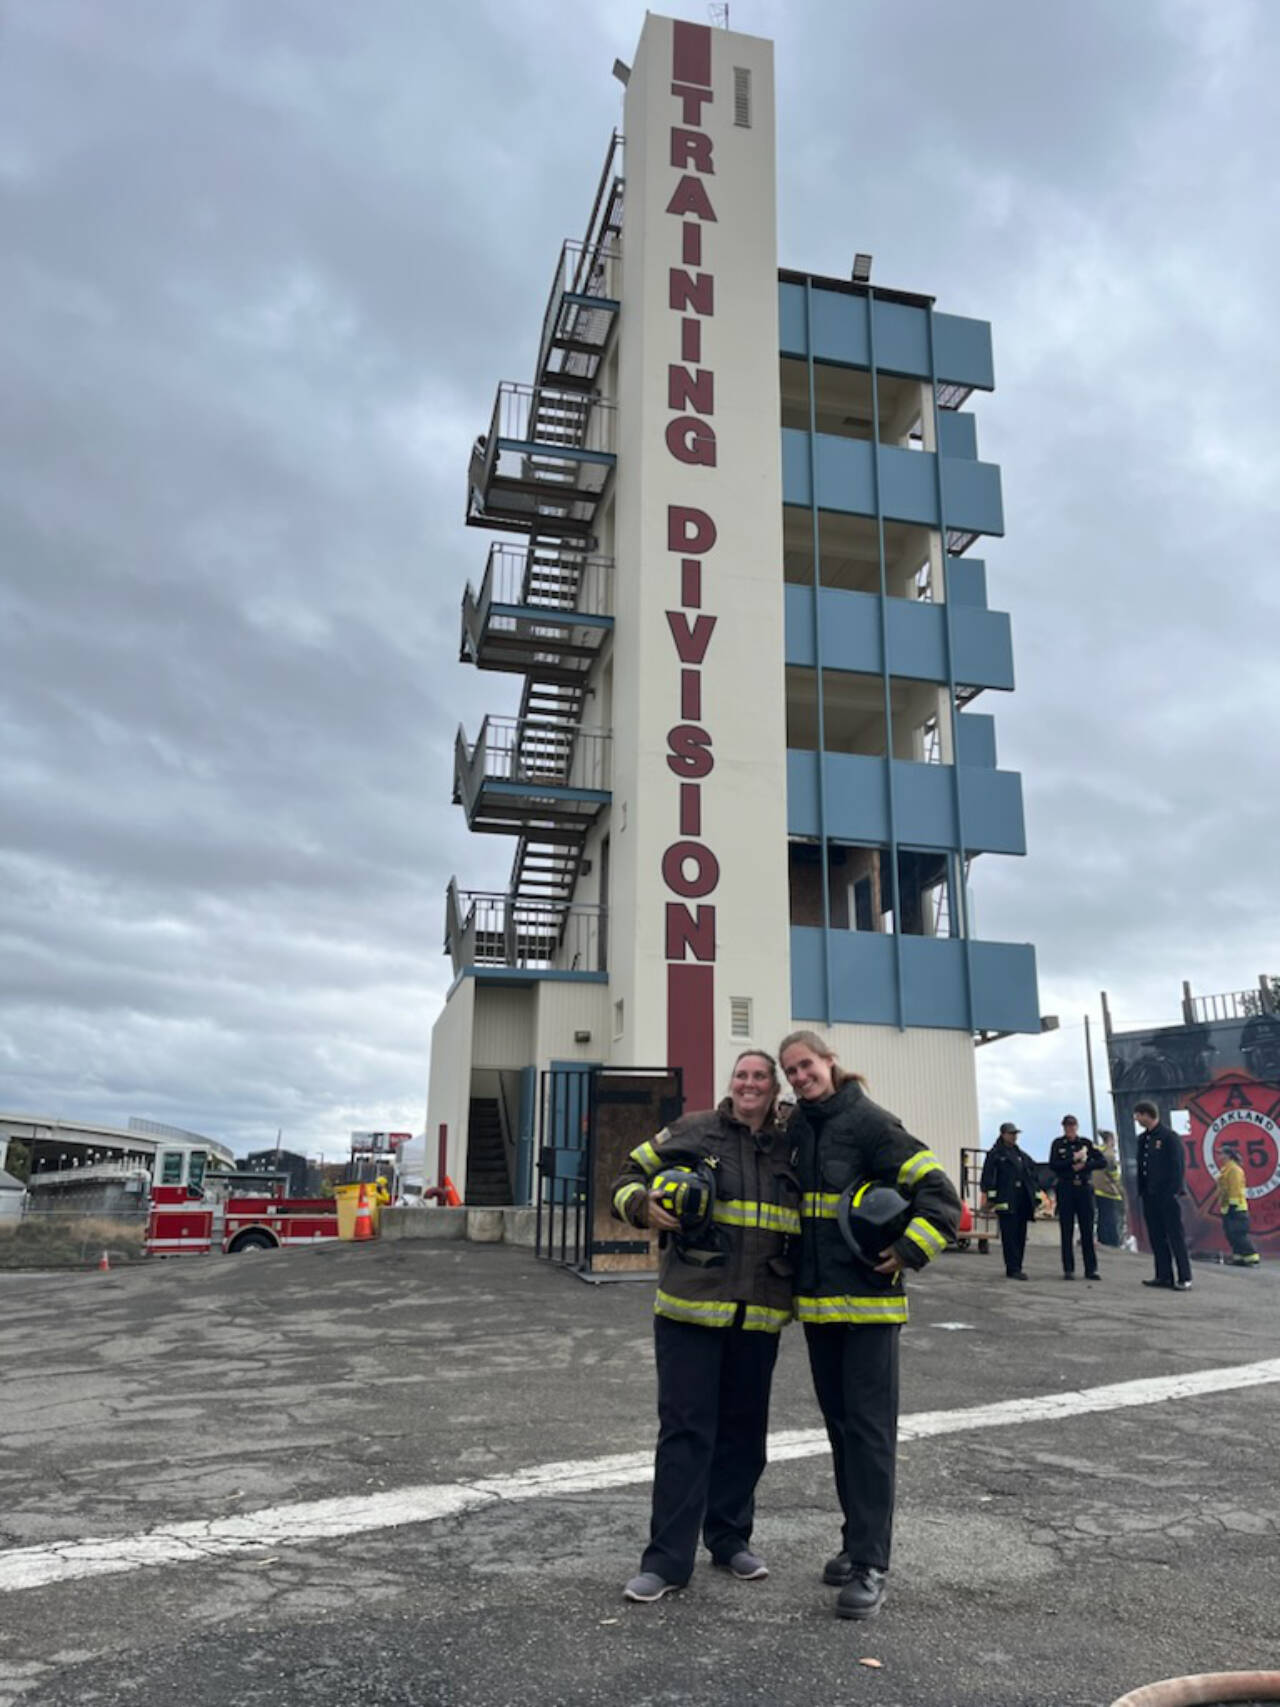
point(925, 800)
point(976, 739)
point(966, 581)
point(808, 974)
point(791, 338)
point(800, 641)
point(1004, 986)
point(973, 496)
point(908, 491)
point(934, 987)
point(526, 1137)
point(917, 639)
point(962, 352)
point(857, 797)
point(846, 479)
point(957, 434)
point(993, 812)
point(982, 648)
point(840, 332)
point(902, 338)
point(863, 977)
point(850, 630)
point(803, 816)
point(795, 467)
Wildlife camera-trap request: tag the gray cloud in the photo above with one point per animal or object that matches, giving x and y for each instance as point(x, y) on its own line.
point(265, 261)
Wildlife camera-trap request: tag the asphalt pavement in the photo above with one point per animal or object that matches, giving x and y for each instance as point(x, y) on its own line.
point(1042, 1559)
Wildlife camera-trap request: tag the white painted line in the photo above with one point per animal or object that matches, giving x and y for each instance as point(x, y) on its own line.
point(321, 1520)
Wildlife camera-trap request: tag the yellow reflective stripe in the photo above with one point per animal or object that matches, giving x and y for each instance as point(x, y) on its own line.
point(927, 1236)
point(923, 1162)
point(624, 1194)
point(820, 1205)
point(710, 1312)
point(646, 1157)
point(833, 1311)
point(765, 1320)
point(740, 1212)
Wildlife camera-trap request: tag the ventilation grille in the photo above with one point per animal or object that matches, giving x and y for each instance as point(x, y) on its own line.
point(742, 97)
point(739, 1016)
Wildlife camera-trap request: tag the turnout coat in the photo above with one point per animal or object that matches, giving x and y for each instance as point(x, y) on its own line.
point(847, 1140)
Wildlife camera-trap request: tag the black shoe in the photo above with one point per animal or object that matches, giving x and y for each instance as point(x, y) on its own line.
point(1167, 1284)
point(1182, 1286)
point(1068, 1277)
point(1094, 1276)
point(1019, 1276)
point(863, 1595)
point(836, 1572)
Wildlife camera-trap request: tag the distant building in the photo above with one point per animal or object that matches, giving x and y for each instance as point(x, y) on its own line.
point(745, 781)
point(304, 1177)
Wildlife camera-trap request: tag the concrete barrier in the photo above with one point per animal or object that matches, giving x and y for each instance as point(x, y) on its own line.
point(424, 1223)
point(512, 1225)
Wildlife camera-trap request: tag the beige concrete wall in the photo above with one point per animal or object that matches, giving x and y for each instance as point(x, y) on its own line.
point(743, 799)
point(449, 1085)
point(504, 1025)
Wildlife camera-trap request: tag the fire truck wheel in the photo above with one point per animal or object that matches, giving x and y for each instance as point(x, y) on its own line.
point(252, 1241)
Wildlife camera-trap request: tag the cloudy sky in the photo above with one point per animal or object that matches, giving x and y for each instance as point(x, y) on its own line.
point(263, 263)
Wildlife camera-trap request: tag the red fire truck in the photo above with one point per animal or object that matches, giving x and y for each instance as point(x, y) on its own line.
point(194, 1209)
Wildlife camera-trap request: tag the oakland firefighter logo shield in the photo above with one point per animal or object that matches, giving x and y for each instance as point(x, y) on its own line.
point(1244, 1111)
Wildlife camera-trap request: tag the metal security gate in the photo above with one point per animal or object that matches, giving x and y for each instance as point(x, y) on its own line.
point(590, 1118)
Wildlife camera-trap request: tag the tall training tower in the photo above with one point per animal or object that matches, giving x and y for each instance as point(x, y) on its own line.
point(743, 782)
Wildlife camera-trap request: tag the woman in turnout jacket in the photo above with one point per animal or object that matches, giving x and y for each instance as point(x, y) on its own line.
point(716, 1325)
point(852, 1312)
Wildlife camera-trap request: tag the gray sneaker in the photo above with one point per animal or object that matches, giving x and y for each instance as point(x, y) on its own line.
point(747, 1567)
point(649, 1586)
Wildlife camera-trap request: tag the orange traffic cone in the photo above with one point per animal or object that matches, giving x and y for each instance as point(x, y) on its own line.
point(451, 1198)
point(104, 1263)
point(364, 1219)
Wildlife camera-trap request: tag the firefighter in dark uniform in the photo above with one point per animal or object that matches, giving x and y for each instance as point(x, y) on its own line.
point(1009, 1186)
point(1074, 1160)
point(724, 1295)
point(852, 1311)
point(1162, 1175)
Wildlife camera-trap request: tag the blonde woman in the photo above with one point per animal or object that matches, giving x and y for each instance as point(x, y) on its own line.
point(852, 1305)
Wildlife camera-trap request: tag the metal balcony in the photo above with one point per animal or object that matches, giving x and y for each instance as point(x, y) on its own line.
point(542, 781)
point(545, 463)
point(541, 611)
point(580, 316)
point(503, 932)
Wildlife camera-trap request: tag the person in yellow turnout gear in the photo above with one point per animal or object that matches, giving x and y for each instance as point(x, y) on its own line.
point(1233, 1202)
point(724, 1295)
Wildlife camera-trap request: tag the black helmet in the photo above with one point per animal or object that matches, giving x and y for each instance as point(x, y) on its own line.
point(690, 1195)
point(871, 1217)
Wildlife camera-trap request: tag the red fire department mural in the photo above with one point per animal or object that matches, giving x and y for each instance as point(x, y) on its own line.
point(1220, 1084)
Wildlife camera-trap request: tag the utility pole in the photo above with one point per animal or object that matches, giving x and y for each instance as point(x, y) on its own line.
point(1093, 1101)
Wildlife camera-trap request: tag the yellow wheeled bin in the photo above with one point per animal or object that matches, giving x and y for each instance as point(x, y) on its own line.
point(348, 1200)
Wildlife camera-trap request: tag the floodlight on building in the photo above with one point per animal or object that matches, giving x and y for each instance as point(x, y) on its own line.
point(1049, 1022)
point(862, 269)
point(622, 71)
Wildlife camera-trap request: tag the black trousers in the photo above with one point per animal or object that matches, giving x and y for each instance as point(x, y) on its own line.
point(1013, 1239)
point(855, 1376)
point(1110, 1221)
point(1235, 1224)
point(713, 1416)
point(1075, 1209)
point(1163, 1217)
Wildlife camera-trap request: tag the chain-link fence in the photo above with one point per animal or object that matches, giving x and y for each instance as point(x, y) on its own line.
point(63, 1238)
